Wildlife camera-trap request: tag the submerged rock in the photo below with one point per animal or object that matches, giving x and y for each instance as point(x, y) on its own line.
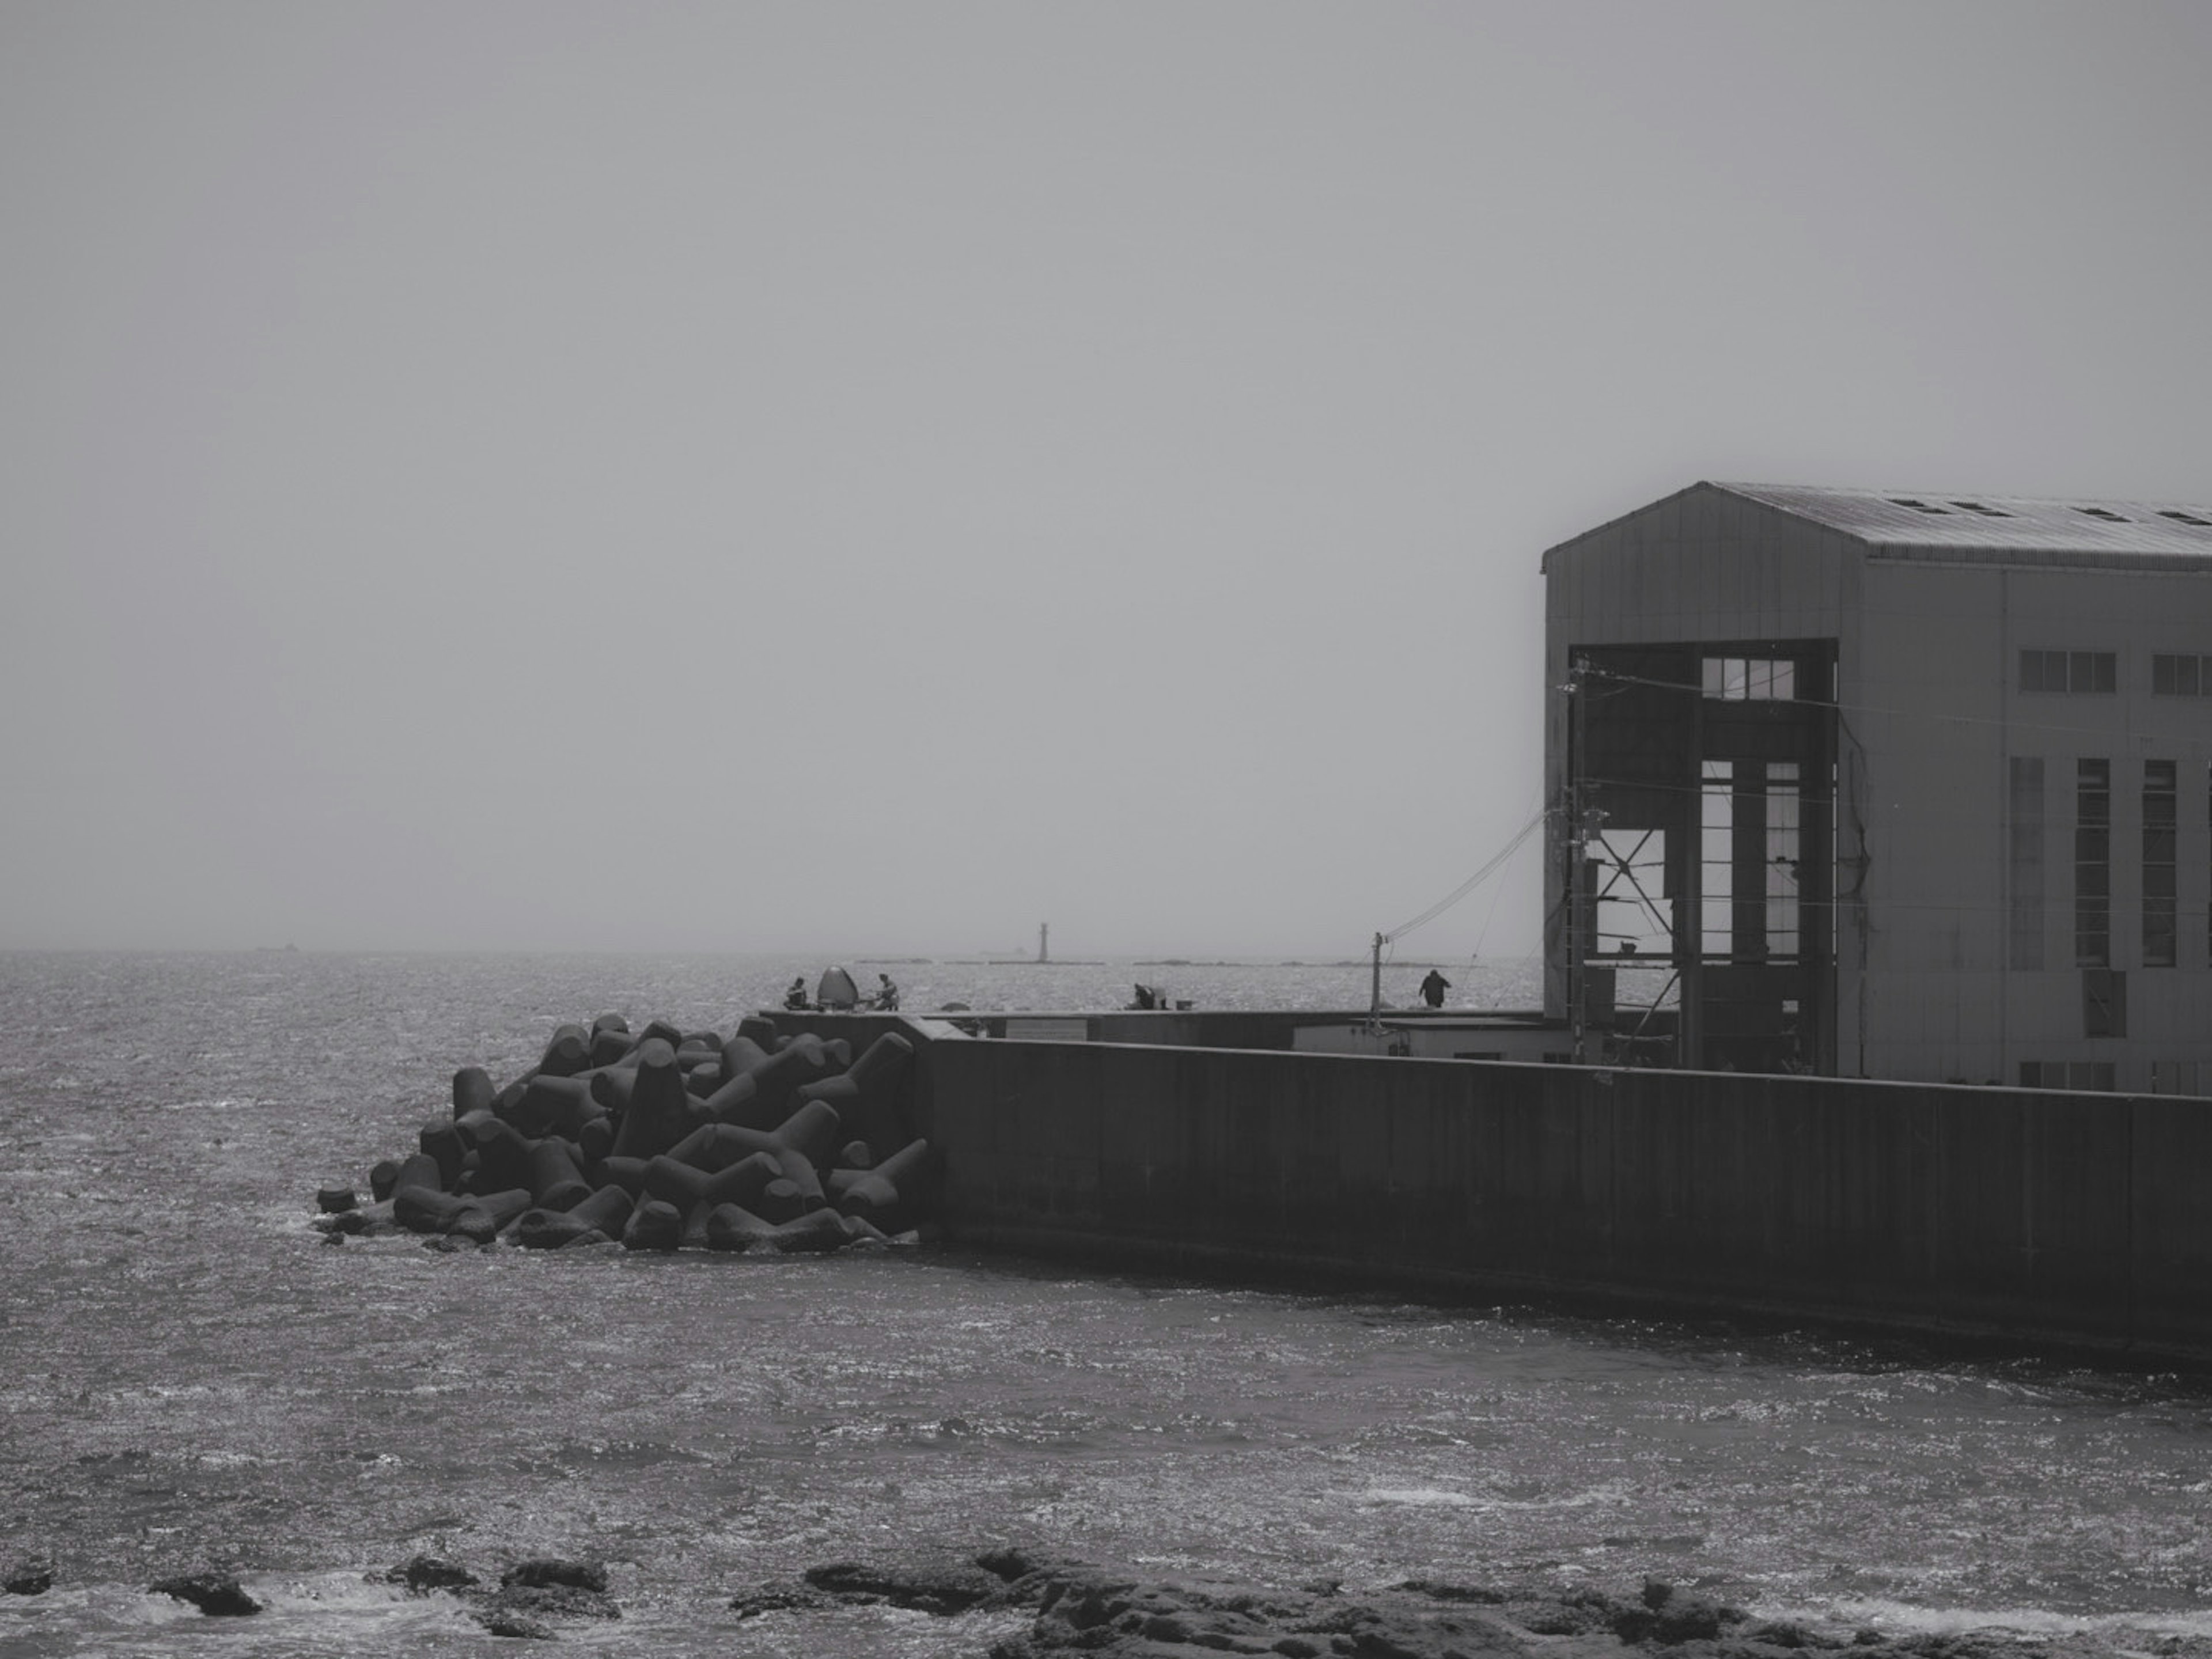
point(30, 1576)
point(545, 1572)
point(211, 1593)
point(424, 1573)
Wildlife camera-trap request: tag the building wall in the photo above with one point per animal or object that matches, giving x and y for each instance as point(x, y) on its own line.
point(1701, 566)
point(1932, 713)
point(2026, 1214)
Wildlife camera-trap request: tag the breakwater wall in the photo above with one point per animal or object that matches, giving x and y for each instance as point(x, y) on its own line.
point(2077, 1220)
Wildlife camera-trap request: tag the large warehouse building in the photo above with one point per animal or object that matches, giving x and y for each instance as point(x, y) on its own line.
point(1891, 786)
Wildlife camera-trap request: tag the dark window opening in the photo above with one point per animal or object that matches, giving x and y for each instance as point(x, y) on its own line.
point(1983, 508)
point(2104, 1002)
point(2081, 1076)
point(2104, 513)
point(2026, 860)
point(2093, 864)
point(1920, 507)
point(2178, 676)
point(2179, 517)
point(2083, 673)
point(2161, 901)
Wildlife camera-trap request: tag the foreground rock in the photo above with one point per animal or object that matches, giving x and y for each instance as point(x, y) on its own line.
point(32, 1574)
point(532, 1597)
point(211, 1593)
point(1121, 1613)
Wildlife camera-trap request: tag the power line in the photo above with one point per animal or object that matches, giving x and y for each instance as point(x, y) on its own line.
point(1470, 884)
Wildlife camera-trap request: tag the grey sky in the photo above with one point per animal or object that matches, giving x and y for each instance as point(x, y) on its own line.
point(878, 477)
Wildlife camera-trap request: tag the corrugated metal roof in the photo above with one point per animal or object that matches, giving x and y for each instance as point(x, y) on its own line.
point(2000, 529)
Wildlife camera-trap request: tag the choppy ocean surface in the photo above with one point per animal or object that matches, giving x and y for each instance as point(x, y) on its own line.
point(194, 1380)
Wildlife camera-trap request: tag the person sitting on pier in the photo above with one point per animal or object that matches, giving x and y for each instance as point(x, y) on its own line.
point(796, 996)
point(886, 994)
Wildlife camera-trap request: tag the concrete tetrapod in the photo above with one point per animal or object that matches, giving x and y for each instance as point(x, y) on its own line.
point(654, 1225)
point(567, 1053)
point(658, 1114)
point(555, 1105)
point(888, 1194)
point(675, 1141)
point(606, 1213)
point(472, 1090)
point(864, 1095)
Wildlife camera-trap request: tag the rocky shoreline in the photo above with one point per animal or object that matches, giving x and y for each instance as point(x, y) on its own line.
point(1124, 1614)
point(1119, 1612)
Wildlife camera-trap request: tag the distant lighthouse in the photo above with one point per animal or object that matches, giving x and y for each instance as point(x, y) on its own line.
point(1044, 933)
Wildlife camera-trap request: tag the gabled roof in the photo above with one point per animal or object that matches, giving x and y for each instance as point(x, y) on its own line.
point(2023, 530)
point(2002, 528)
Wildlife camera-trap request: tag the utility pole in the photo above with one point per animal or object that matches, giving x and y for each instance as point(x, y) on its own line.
point(1044, 932)
point(1375, 990)
point(1577, 968)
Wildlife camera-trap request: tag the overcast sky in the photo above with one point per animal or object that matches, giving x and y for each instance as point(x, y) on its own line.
point(879, 477)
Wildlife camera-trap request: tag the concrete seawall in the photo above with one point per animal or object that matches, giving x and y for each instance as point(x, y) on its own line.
point(2084, 1220)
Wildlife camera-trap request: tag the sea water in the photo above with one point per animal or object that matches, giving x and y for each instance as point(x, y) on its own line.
point(193, 1379)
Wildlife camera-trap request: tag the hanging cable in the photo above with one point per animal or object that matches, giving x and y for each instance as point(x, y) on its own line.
point(1470, 884)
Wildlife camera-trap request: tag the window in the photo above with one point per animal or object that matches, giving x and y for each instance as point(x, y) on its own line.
point(1782, 843)
point(1716, 860)
point(1751, 679)
point(2081, 673)
point(2177, 1077)
point(2104, 513)
point(2161, 913)
point(2081, 1076)
point(2178, 676)
point(2179, 517)
point(2025, 857)
point(1983, 508)
point(2104, 1002)
point(1919, 505)
point(2093, 864)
